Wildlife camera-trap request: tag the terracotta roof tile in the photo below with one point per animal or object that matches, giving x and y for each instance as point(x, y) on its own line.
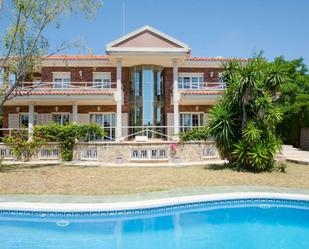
point(106, 57)
point(77, 57)
point(201, 92)
point(217, 59)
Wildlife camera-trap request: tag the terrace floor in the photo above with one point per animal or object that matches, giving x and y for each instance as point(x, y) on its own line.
point(88, 180)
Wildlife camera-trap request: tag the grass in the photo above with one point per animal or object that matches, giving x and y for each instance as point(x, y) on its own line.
point(49, 179)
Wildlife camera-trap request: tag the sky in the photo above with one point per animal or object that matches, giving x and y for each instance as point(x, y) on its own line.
point(227, 28)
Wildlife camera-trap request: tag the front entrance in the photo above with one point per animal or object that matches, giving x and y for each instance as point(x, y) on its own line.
point(147, 96)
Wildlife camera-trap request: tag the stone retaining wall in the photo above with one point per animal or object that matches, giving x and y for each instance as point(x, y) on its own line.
point(122, 152)
point(127, 152)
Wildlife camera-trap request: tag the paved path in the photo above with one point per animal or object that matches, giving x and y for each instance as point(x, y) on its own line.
point(138, 164)
point(295, 155)
point(179, 192)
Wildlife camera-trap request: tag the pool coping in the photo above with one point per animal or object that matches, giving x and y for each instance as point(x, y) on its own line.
point(145, 204)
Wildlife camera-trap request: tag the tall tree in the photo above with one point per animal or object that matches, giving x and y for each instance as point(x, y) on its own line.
point(244, 122)
point(294, 100)
point(24, 42)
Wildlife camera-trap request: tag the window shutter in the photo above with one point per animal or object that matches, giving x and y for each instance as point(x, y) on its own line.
point(14, 121)
point(205, 121)
point(124, 123)
point(44, 118)
point(170, 124)
point(83, 118)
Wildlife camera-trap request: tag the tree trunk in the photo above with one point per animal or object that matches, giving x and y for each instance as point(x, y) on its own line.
point(244, 117)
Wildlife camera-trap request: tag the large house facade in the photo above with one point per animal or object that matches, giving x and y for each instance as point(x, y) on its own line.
point(147, 84)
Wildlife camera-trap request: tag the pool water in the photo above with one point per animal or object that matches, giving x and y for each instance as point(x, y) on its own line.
point(251, 225)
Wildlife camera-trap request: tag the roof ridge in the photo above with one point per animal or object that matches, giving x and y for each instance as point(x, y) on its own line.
point(194, 58)
point(76, 57)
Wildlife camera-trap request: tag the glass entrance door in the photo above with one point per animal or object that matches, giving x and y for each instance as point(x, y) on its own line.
point(147, 99)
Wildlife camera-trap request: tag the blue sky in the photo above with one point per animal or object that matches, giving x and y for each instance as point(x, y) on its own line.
point(210, 27)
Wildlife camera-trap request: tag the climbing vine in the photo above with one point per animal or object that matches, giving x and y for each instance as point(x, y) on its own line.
point(67, 136)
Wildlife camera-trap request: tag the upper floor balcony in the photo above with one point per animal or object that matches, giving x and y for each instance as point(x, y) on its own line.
point(202, 86)
point(200, 93)
point(65, 87)
point(196, 83)
point(64, 92)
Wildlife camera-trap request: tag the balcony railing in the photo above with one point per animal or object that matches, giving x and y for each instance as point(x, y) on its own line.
point(105, 86)
point(205, 86)
point(63, 86)
point(163, 132)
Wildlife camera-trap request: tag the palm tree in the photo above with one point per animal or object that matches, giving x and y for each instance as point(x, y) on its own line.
point(244, 122)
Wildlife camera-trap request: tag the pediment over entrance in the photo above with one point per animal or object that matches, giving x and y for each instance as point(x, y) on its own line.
point(147, 39)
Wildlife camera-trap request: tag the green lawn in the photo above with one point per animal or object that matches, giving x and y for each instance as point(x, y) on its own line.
point(48, 179)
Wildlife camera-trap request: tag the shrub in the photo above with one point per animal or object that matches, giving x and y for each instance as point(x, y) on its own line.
point(196, 134)
point(281, 167)
point(23, 148)
point(244, 122)
point(67, 135)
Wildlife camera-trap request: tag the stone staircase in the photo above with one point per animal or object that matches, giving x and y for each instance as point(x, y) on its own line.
point(295, 155)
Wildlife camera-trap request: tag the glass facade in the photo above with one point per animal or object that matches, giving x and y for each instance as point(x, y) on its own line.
point(146, 97)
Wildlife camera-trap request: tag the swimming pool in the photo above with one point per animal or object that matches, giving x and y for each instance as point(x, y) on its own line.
point(234, 223)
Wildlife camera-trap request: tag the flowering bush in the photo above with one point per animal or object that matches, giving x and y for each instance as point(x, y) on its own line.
point(173, 148)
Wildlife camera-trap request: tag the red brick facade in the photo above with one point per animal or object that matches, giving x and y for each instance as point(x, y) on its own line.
point(52, 109)
point(87, 73)
point(194, 108)
point(12, 110)
point(168, 77)
point(87, 76)
point(126, 89)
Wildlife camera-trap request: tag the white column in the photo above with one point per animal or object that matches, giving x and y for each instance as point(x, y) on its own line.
point(175, 97)
point(31, 121)
point(118, 98)
point(74, 113)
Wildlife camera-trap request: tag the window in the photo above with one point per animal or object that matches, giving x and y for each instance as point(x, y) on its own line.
point(102, 80)
point(49, 153)
point(61, 118)
point(149, 154)
point(221, 81)
point(61, 80)
point(12, 79)
point(89, 154)
point(24, 120)
point(209, 152)
point(6, 153)
point(107, 121)
point(191, 81)
point(189, 121)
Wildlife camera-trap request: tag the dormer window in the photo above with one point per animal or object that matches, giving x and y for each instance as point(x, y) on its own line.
point(102, 80)
point(61, 80)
